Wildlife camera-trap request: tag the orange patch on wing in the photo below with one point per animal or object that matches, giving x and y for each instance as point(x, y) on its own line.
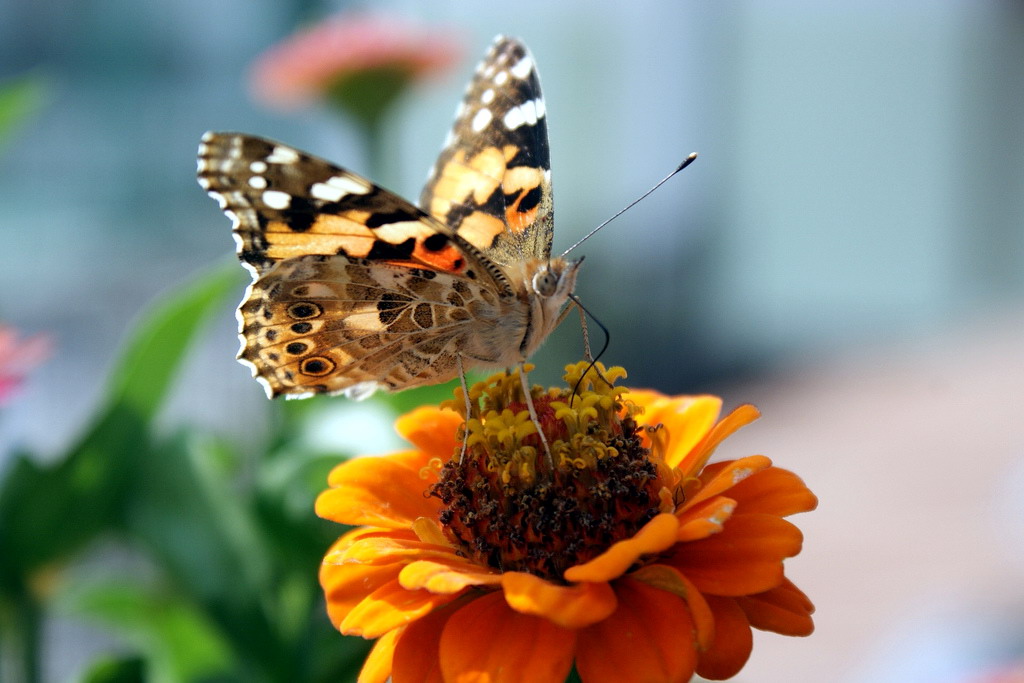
point(285, 245)
point(480, 229)
point(520, 181)
point(449, 259)
point(462, 179)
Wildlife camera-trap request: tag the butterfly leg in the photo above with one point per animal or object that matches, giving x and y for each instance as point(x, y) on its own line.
point(528, 398)
point(587, 355)
point(465, 397)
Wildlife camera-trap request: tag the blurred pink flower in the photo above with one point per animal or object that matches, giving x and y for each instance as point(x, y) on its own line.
point(318, 62)
point(1013, 673)
point(18, 357)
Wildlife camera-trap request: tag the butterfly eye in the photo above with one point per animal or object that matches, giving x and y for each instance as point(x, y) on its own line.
point(545, 283)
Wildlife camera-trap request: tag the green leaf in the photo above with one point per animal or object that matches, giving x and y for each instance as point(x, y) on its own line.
point(49, 512)
point(116, 670)
point(152, 357)
point(189, 512)
point(177, 642)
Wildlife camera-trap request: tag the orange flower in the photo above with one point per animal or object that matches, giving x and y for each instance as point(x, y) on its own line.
point(384, 54)
point(623, 554)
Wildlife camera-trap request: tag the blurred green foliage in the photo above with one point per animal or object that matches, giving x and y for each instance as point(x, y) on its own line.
point(226, 542)
point(20, 98)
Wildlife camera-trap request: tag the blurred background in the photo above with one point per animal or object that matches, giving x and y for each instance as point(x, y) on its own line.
point(847, 253)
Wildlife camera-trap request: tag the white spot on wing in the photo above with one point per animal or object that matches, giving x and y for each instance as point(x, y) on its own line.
point(276, 199)
point(337, 187)
point(283, 155)
point(488, 96)
point(523, 67)
point(501, 78)
point(258, 167)
point(221, 199)
point(258, 182)
point(482, 119)
point(526, 113)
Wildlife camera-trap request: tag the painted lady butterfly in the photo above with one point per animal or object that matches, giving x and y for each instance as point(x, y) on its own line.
point(355, 289)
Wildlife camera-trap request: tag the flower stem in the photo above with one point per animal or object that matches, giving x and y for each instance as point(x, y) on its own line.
point(19, 641)
point(376, 152)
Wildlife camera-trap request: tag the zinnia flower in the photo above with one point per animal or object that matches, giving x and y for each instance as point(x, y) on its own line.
point(18, 357)
point(625, 555)
point(361, 62)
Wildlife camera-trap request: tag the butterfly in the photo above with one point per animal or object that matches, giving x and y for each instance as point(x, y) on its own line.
point(356, 289)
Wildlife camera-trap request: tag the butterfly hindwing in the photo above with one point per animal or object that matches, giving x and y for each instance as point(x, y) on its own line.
point(492, 182)
point(319, 324)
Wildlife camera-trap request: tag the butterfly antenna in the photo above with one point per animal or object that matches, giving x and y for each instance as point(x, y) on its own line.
point(686, 162)
point(593, 361)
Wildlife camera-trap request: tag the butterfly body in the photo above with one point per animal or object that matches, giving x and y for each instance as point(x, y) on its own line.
point(355, 289)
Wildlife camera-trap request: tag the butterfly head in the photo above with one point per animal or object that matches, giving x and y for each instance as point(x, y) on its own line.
point(550, 282)
point(555, 279)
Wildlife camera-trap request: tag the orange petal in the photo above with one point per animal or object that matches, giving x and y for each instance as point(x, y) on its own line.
point(702, 521)
point(429, 531)
point(385, 550)
point(745, 558)
point(784, 609)
point(572, 606)
point(345, 586)
point(377, 667)
point(486, 641)
point(382, 491)
point(693, 461)
point(389, 607)
point(417, 655)
point(687, 419)
point(432, 430)
point(774, 491)
point(669, 579)
point(655, 536)
point(716, 480)
point(733, 641)
point(339, 547)
point(449, 576)
point(648, 638)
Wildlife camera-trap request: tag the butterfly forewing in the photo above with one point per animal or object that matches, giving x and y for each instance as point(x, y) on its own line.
point(492, 182)
point(287, 203)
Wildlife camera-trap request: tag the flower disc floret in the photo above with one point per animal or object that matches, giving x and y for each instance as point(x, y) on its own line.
point(505, 507)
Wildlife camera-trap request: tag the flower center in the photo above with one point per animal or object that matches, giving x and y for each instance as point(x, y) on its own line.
point(508, 506)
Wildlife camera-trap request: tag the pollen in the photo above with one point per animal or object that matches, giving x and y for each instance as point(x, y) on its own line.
point(506, 507)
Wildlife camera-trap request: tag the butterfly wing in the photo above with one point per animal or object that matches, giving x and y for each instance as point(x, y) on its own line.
point(330, 324)
point(338, 264)
point(492, 182)
point(286, 203)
